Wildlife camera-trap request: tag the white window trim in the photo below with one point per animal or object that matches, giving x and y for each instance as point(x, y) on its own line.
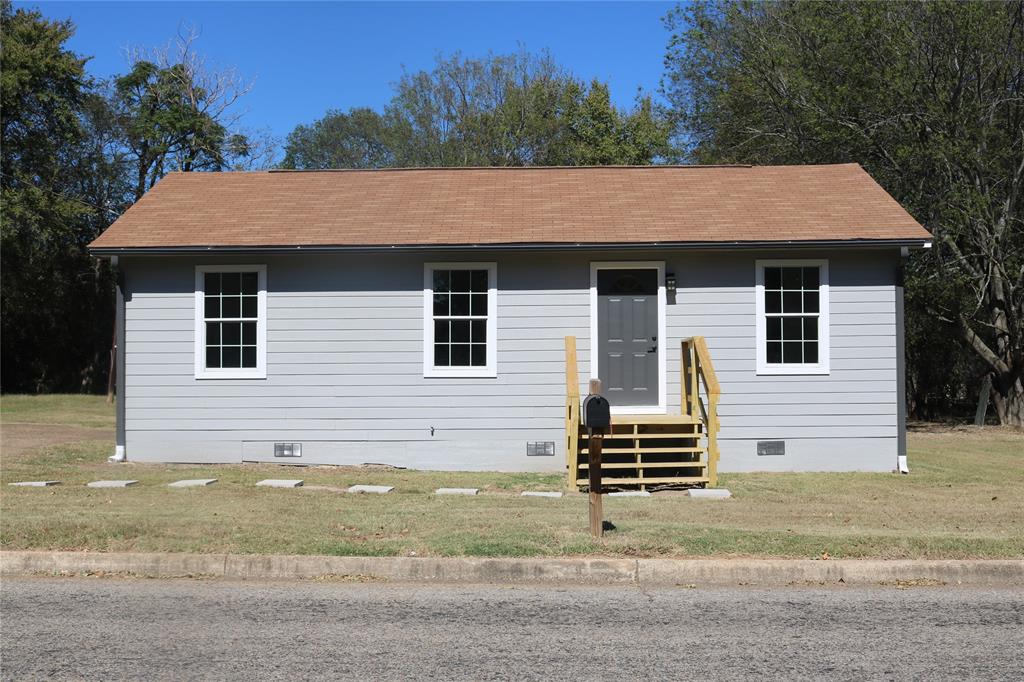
point(260, 370)
point(490, 370)
point(663, 348)
point(822, 366)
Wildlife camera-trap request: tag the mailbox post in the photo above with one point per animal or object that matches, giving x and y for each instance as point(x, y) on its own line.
point(597, 418)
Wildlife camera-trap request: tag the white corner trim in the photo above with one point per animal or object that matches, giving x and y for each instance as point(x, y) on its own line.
point(490, 371)
point(824, 329)
point(661, 407)
point(260, 370)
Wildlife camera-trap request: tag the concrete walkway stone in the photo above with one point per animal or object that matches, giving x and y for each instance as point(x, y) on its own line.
point(709, 493)
point(192, 483)
point(456, 491)
point(35, 484)
point(111, 484)
point(539, 493)
point(375, 489)
point(280, 483)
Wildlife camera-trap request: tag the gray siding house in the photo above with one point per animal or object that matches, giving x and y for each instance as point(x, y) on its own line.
point(419, 317)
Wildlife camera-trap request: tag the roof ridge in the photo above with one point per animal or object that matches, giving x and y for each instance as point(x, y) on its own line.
point(505, 168)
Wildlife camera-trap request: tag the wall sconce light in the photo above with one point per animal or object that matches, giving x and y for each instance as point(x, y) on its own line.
point(670, 283)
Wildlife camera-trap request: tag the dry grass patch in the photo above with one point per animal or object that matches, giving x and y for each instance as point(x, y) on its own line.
point(963, 500)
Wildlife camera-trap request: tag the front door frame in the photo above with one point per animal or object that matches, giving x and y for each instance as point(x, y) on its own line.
point(659, 265)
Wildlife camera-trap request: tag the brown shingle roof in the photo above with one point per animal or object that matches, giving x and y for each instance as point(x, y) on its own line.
point(513, 206)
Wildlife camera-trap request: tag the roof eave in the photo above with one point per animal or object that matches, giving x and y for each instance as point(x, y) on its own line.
point(910, 243)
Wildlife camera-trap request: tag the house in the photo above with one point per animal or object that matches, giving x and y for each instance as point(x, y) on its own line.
point(418, 317)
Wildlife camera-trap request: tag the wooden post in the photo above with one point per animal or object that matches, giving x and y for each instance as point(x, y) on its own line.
point(595, 443)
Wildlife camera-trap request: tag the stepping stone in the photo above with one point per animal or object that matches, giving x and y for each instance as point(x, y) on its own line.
point(192, 483)
point(709, 493)
point(280, 483)
point(630, 493)
point(456, 491)
point(111, 484)
point(535, 493)
point(35, 484)
point(376, 489)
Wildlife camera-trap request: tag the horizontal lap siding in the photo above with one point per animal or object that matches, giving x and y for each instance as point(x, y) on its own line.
point(344, 359)
point(345, 363)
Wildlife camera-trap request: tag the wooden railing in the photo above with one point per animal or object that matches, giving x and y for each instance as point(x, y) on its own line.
point(572, 410)
point(696, 373)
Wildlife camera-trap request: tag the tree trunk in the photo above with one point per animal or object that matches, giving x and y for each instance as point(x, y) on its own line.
point(1008, 399)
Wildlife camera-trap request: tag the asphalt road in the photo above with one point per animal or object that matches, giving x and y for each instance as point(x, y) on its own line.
point(106, 629)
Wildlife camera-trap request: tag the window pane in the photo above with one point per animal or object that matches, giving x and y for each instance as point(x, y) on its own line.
point(791, 278)
point(249, 306)
point(441, 304)
point(479, 304)
point(249, 333)
point(248, 356)
point(441, 331)
point(231, 356)
point(773, 330)
point(811, 352)
point(213, 357)
point(213, 333)
point(810, 278)
point(772, 302)
point(211, 283)
point(811, 302)
point(478, 280)
point(792, 328)
point(460, 355)
point(231, 283)
point(250, 283)
point(774, 352)
point(772, 278)
point(231, 333)
point(231, 306)
point(211, 306)
point(479, 331)
point(442, 280)
point(792, 352)
point(791, 302)
point(441, 354)
point(460, 331)
point(810, 328)
point(478, 355)
point(460, 280)
point(460, 304)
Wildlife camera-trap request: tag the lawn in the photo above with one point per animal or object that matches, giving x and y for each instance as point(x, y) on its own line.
point(964, 499)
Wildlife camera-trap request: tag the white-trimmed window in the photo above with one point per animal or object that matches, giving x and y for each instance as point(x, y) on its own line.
point(231, 322)
point(792, 317)
point(460, 306)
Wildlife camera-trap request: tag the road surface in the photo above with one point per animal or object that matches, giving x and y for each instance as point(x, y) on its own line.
point(105, 629)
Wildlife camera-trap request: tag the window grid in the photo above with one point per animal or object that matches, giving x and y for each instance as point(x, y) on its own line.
point(792, 307)
point(460, 312)
point(230, 316)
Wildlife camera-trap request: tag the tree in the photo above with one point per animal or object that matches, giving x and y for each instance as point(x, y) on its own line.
point(926, 96)
point(504, 110)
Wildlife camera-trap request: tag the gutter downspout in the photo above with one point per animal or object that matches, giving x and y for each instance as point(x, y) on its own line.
point(119, 309)
point(901, 372)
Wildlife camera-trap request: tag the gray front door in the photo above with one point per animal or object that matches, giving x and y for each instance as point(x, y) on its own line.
point(627, 335)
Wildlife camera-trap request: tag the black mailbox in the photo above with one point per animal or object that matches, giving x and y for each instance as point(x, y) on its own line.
point(596, 412)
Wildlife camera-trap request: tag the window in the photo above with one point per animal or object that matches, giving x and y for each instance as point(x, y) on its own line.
point(792, 317)
point(460, 313)
point(231, 321)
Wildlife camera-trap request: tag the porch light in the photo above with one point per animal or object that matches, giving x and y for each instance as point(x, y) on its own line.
point(670, 283)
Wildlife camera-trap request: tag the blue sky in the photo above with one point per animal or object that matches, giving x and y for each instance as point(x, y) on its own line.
point(308, 57)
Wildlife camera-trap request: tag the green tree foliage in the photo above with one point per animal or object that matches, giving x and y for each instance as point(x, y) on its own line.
point(51, 315)
point(505, 110)
point(927, 97)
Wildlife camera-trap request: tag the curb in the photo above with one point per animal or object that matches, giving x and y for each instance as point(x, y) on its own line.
point(664, 572)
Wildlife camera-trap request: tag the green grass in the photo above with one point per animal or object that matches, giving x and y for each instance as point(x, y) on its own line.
point(965, 499)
